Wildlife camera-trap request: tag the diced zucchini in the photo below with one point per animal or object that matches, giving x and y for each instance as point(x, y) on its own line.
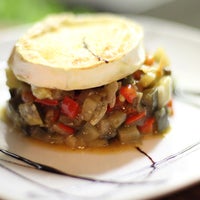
point(150, 99)
point(164, 91)
point(147, 79)
point(162, 122)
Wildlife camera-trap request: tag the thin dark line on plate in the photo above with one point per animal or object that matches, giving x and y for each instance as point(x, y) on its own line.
point(170, 157)
point(59, 193)
point(146, 155)
point(64, 195)
point(49, 190)
point(147, 171)
point(154, 165)
point(15, 163)
point(178, 154)
point(56, 171)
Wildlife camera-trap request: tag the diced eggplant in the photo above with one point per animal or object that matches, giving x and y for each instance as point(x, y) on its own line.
point(71, 141)
point(128, 134)
point(15, 99)
point(89, 133)
point(65, 120)
point(80, 143)
point(77, 122)
point(49, 116)
point(99, 113)
point(57, 129)
point(13, 93)
point(60, 94)
point(128, 80)
point(88, 108)
point(30, 114)
point(14, 116)
point(162, 121)
point(150, 99)
point(75, 142)
point(98, 143)
point(43, 135)
point(93, 109)
point(117, 118)
point(111, 90)
point(107, 127)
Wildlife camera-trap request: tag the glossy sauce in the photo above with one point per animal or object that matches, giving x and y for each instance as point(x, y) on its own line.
point(114, 147)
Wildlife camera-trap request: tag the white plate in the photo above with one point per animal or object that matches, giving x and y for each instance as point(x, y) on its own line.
point(123, 174)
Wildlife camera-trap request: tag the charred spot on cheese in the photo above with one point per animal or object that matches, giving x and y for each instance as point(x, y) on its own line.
point(95, 55)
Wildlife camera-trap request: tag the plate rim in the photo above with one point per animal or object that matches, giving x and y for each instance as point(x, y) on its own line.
point(194, 31)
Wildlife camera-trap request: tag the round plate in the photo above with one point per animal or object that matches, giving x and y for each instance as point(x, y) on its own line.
point(167, 163)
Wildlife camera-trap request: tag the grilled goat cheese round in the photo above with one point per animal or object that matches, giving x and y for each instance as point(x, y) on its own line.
point(70, 52)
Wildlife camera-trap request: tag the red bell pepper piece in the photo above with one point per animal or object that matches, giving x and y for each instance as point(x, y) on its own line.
point(65, 128)
point(69, 107)
point(128, 92)
point(135, 117)
point(147, 127)
point(48, 102)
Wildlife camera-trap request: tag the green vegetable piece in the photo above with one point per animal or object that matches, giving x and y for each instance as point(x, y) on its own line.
point(162, 122)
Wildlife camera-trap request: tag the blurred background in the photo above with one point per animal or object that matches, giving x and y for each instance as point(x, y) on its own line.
point(14, 12)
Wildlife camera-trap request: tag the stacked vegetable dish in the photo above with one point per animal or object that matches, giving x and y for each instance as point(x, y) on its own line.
point(124, 109)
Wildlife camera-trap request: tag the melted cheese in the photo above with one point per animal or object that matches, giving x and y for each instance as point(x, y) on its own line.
point(82, 51)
